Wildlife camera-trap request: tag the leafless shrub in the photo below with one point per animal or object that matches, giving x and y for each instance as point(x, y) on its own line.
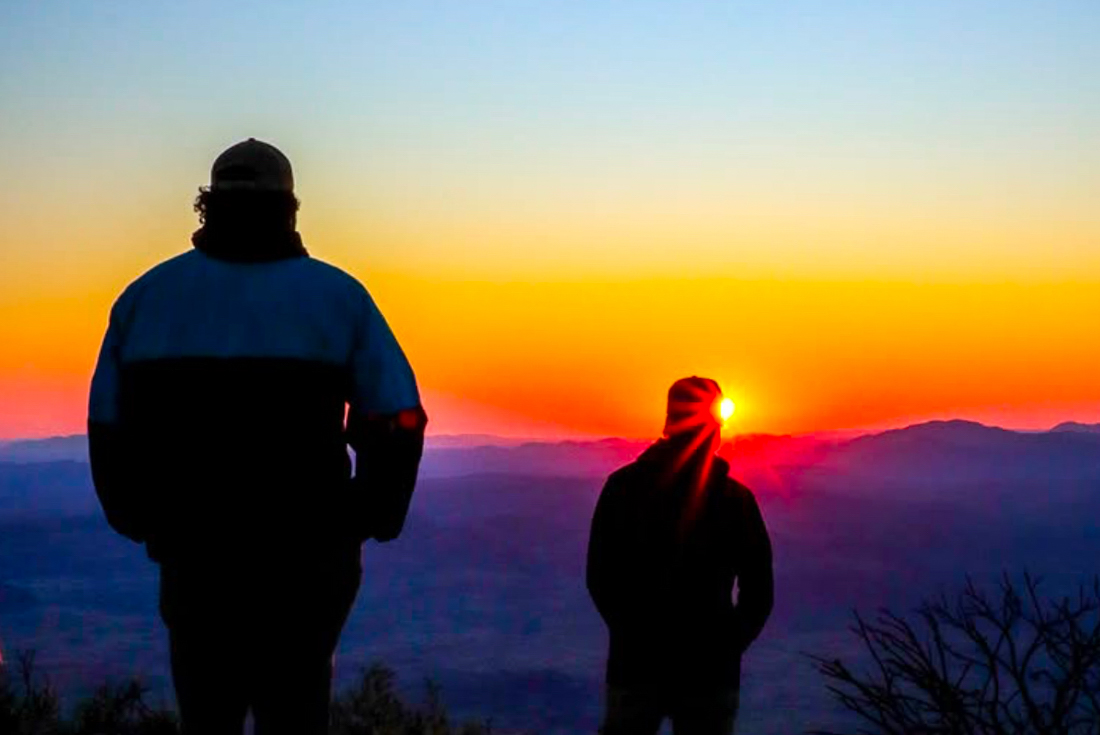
point(1012, 663)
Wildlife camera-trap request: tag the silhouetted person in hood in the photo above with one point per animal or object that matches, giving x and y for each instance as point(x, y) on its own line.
point(671, 535)
point(218, 439)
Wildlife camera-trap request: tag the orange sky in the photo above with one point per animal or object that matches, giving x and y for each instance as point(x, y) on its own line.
point(595, 357)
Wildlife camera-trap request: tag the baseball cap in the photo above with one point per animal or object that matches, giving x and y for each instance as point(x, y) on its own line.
point(252, 165)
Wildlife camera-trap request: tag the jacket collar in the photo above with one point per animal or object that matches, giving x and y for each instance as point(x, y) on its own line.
point(249, 247)
point(671, 454)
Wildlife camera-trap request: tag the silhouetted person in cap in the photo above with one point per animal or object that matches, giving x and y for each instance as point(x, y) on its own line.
point(671, 536)
point(218, 439)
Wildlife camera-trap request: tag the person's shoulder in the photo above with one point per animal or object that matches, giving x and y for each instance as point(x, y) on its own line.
point(732, 488)
point(166, 268)
point(334, 274)
point(738, 489)
point(170, 268)
point(334, 280)
point(627, 475)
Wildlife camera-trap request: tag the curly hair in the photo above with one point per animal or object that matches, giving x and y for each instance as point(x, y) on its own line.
point(232, 210)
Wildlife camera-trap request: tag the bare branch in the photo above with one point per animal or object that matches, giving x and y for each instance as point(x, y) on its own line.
point(1014, 663)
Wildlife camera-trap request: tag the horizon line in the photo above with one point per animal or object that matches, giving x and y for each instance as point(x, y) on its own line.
point(593, 438)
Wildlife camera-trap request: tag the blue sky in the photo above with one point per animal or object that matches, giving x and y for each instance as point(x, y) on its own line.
point(417, 90)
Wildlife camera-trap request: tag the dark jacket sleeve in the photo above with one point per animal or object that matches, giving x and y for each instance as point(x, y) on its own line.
point(385, 427)
point(603, 548)
point(108, 449)
point(756, 587)
point(388, 449)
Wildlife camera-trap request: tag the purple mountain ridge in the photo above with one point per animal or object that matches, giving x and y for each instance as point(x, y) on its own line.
point(940, 452)
point(1078, 427)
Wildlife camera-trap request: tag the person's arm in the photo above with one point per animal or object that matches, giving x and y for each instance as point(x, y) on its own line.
point(385, 427)
point(601, 565)
point(388, 448)
point(108, 447)
point(756, 587)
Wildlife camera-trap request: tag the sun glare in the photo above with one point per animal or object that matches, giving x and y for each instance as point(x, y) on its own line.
point(725, 409)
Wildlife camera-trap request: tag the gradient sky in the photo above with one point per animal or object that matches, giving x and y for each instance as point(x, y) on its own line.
point(851, 214)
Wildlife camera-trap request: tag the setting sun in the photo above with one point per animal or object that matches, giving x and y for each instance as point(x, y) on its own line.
point(726, 409)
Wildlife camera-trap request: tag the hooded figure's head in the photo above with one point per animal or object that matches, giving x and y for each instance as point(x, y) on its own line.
point(694, 404)
point(685, 459)
point(695, 413)
point(249, 211)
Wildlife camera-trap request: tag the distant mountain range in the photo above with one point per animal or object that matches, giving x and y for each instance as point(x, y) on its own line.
point(931, 460)
point(953, 450)
point(73, 448)
point(548, 459)
point(1077, 426)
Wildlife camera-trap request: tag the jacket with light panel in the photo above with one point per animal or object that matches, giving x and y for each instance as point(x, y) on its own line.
point(217, 411)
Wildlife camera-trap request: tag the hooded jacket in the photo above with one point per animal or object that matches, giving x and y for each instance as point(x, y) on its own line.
point(670, 537)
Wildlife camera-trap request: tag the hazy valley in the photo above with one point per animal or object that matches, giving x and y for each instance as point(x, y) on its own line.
point(485, 592)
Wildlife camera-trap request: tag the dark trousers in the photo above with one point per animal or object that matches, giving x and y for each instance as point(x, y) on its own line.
point(262, 641)
point(641, 711)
